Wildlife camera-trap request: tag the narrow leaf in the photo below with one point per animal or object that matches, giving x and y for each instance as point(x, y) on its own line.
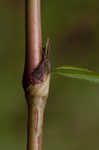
point(78, 73)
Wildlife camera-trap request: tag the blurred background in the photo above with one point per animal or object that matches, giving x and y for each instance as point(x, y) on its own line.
point(72, 112)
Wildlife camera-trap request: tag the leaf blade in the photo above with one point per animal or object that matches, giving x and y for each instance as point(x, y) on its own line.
point(77, 73)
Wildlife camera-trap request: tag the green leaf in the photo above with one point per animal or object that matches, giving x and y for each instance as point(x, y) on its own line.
point(78, 73)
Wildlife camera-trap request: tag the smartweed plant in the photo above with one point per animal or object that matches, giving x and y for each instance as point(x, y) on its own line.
point(37, 72)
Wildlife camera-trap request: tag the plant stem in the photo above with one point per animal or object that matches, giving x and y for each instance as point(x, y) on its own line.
point(35, 122)
point(36, 78)
point(37, 99)
point(33, 34)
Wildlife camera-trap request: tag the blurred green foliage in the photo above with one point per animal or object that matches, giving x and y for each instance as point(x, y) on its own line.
point(72, 113)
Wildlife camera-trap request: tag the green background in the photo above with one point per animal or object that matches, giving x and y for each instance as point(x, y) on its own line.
point(72, 112)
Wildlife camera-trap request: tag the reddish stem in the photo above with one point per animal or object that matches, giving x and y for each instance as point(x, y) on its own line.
point(33, 35)
point(35, 123)
point(32, 61)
